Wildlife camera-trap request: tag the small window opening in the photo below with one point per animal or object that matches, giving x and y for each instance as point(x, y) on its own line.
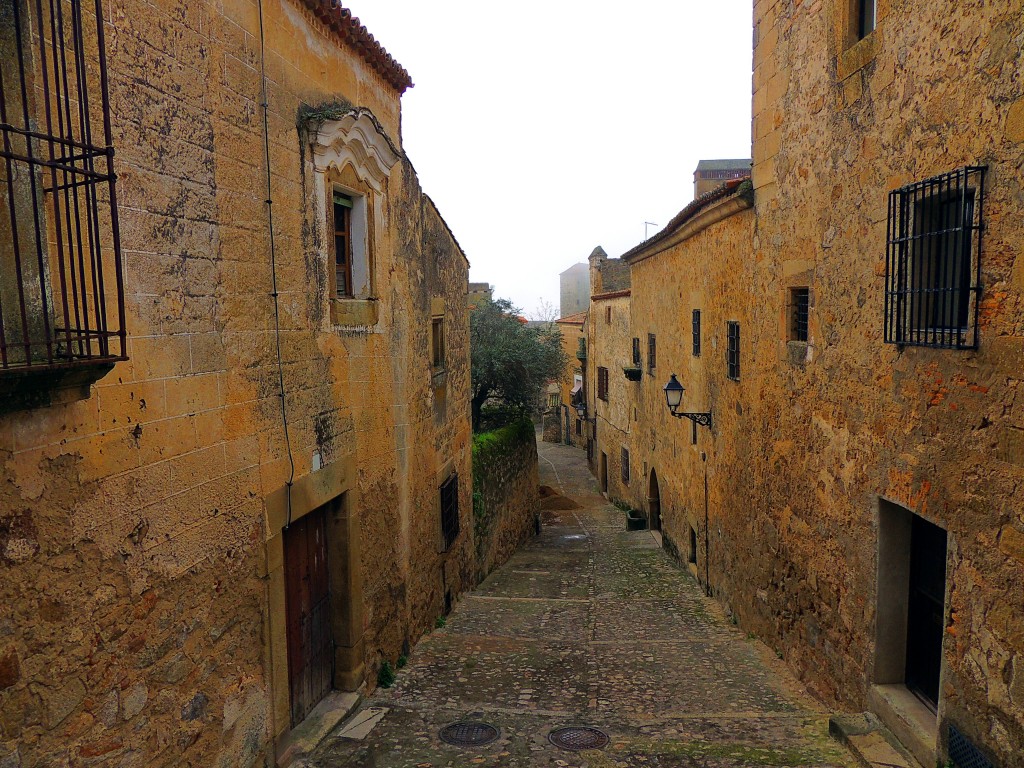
point(696, 333)
point(733, 350)
point(652, 352)
point(342, 245)
point(867, 12)
point(637, 359)
point(450, 510)
point(693, 546)
point(437, 341)
point(624, 460)
point(607, 314)
point(799, 309)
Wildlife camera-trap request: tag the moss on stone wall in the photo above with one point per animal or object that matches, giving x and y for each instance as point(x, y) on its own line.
point(505, 491)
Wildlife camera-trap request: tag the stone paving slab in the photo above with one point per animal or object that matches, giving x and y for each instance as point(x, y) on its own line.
point(502, 671)
point(541, 580)
point(645, 679)
point(542, 619)
point(588, 624)
point(661, 619)
point(408, 738)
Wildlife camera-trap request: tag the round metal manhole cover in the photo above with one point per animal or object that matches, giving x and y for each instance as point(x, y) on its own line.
point(578, 738)
point(469, 734)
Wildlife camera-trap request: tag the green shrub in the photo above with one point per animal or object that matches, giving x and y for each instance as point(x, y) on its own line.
point(386, 675)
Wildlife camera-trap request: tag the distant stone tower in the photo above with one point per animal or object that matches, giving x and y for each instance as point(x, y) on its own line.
point(575, 289)
point(711, 174)
point(606, 274)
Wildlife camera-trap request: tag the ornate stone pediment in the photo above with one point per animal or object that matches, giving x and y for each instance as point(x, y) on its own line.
point(355, 138)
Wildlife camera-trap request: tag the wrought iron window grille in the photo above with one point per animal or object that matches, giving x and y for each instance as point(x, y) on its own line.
point(696, 332)
point(450, 510)
point(61, 285)
point(602, 383)
point(733, 350)
point(799, 313)
point(652, 353)
point(933, 261)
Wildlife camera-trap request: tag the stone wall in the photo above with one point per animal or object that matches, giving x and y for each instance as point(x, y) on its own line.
point(708, 265)
point(506, 499)
point(610, 346)
point(141, 561)
point(573, 332)
point(817, 440)
point(838, 123)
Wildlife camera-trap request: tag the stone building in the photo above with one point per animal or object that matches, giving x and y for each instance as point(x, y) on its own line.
point(611, 349)
point(574, 343)
point(478, 292)
point(859, 349)
point(689, 288)
point(234, 458)
point(711, 174)
point(890, 214)
point(574, 287)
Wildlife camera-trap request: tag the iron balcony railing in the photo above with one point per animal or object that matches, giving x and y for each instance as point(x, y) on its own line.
point(61, 285)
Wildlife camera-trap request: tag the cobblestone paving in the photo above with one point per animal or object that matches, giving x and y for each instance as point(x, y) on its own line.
point(591, 625)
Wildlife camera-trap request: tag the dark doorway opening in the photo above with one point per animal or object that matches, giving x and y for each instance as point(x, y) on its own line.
point(308, 606)
point(602, 472)
point(693, 546)
point(926, 609)
point(654, 503)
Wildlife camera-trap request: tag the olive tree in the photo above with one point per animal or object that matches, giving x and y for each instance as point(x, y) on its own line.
point(511, 362)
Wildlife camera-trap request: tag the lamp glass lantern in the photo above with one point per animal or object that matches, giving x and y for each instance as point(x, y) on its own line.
point(674, 394)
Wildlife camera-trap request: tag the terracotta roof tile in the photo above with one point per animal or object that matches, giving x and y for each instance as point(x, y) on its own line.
point(341, 21)
point(576, 319)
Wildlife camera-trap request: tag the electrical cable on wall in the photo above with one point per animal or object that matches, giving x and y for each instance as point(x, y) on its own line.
point(265, 104)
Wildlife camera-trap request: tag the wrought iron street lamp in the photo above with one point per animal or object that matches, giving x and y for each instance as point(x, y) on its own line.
point(674, 397)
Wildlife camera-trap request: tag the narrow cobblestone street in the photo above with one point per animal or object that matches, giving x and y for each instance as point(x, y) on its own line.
point(589, 625)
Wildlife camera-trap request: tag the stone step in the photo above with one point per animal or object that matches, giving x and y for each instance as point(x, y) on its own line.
point(871, 743)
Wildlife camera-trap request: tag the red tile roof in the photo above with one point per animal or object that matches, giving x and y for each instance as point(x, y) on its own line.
point(610, 295)
point(578, 319)
point(341, 21)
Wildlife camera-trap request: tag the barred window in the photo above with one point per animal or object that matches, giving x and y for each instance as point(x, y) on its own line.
point(799, 310)
point(437, 342)
point(933, 266)
point(732, 354)
point(61, 290)
point(637, 360)
point(450, 510)
point(602, 383)
point(624, 464)
point(696, 333)
point(579, 427)
point(652, 352)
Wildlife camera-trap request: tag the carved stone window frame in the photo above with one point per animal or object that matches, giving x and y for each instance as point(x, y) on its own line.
point(352, 155)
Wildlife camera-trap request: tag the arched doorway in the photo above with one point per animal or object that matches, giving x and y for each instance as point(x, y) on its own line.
point(654, 503)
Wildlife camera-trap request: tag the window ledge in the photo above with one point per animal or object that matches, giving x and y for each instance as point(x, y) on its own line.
point(354, 313)
point(859, 55)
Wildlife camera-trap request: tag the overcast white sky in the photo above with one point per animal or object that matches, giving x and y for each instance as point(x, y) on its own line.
point(543, 129)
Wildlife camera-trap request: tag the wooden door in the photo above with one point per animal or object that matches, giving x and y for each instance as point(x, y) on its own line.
point(310, 647)
point(926, 611)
